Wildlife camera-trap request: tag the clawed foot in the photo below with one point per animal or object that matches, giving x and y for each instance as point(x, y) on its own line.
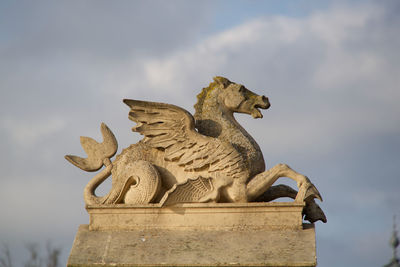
point(307, 191)
point(312, 212)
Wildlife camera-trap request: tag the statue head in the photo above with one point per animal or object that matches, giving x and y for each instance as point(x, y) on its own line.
point(237, 98)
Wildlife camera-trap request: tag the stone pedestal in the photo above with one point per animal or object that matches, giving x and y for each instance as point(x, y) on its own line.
point(251, 234)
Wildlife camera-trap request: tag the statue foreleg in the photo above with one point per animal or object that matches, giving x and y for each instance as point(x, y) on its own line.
point(275, 192)
point(261, 182)
point(312, 211)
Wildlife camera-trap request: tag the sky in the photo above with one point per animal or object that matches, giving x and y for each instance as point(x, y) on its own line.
point(331, 70)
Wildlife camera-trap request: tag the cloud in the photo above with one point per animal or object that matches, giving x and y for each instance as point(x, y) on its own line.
point(332, 83)
point(321, 57)
point(57, 54)
point(331, 76)
point(26, 133)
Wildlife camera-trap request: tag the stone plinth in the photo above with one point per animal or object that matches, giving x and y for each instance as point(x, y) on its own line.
point(198, 216)
point(252, 234)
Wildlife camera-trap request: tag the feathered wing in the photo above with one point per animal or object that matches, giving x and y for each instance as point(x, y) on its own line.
point(171, 128)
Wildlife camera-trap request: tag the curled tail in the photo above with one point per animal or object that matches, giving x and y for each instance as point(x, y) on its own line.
point(135, 182)
point(98, 154)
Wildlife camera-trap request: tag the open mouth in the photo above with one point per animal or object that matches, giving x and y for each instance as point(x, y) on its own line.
point(255, 112)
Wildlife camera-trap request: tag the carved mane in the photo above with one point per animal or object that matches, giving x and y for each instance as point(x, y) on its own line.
point(198, 107)
point(205, 93)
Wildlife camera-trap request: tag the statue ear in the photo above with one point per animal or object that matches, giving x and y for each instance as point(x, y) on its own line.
point(221, 80)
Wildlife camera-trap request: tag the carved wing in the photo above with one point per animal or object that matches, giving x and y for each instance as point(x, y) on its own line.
point(171, 128)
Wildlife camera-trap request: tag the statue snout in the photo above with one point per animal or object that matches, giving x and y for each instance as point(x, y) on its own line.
point(262, 102)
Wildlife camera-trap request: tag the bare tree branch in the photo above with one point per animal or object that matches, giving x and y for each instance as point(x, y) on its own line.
point(35, 260)
point(5, 256)
point(52, 255)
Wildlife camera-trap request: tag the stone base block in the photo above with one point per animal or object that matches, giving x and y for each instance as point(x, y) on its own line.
point(195, 235)
point(193, 248)
point(271, 215)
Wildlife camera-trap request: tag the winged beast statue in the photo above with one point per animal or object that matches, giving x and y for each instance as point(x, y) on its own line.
point(208, 157)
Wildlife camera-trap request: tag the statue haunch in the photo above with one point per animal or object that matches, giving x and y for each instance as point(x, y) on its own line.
point(182, 158)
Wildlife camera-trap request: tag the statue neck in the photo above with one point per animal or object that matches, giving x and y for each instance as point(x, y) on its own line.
point(214, 120)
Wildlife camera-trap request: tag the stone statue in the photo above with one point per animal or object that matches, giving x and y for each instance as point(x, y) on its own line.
point(208, 157)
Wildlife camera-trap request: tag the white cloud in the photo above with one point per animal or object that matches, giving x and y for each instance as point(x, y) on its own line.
point(25, 133)
point(338, 24)
point(336, 87)
point(332, 78)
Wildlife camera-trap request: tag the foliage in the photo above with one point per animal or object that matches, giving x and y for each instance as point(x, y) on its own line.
point(50, 259)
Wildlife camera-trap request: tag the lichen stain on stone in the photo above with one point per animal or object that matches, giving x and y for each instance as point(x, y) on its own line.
point(204, 94)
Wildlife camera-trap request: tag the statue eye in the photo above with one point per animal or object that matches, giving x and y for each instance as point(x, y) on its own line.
point(241, 89)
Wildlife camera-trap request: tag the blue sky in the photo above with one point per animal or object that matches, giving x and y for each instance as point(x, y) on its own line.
point(330, 69)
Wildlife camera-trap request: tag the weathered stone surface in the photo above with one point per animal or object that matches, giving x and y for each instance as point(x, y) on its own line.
point(182, 158)
point(192, 192)
point(197, 216)
point(164, 247)
point(199, 234)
